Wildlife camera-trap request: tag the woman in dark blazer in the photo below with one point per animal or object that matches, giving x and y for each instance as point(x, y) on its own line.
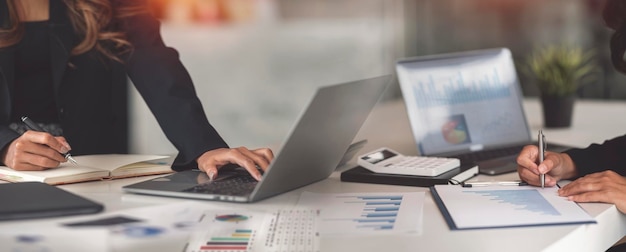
point(65, 63)
point(597, 171)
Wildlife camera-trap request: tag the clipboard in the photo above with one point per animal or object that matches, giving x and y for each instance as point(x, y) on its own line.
point(506, 206)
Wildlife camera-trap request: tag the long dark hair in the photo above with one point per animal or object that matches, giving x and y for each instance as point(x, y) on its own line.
point(614, 15)
point(92, 20)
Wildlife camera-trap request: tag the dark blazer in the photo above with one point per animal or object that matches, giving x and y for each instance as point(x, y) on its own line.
point(600, 157)
point(91, 92)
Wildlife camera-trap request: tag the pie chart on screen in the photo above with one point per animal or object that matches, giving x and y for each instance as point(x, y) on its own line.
point(455, 131)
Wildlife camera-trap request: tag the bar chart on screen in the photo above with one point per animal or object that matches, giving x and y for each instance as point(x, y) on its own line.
point(459, 87)
point(367, 213)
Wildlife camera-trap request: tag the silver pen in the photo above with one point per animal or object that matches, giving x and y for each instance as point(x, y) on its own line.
point(542, 153)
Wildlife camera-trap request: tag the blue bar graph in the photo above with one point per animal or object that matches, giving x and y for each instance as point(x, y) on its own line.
point(376, 227)
point(528, 200)
point(394, 214)
point(380, 209)
point(458, 89)
point(379, 212)
point(376, 220)
point(381, 198)
point(366, 213)
point(373, 203)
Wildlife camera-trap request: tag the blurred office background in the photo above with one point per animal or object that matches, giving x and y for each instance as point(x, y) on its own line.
point(256, 63)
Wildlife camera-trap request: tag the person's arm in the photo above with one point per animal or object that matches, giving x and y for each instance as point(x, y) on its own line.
point(601, 169)
point(167, 89)
point(7, 135)
point(610, 155)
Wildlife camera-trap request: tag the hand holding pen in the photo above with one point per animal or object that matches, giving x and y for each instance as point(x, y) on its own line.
point(35, 150)
point(537, 166)
point(33, 126)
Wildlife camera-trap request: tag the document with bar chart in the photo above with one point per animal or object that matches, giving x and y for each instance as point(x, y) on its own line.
point(282, 230)
point(367, 213)
point(506, 206)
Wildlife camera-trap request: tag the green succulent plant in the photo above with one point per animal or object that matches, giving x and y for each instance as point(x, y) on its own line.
point(559, 70)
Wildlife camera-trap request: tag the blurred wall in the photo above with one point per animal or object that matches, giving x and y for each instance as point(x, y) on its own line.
point(256, 63)
point(436, 26)
point(255, 67)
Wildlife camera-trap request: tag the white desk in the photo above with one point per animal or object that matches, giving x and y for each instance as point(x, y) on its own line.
point(594, 121)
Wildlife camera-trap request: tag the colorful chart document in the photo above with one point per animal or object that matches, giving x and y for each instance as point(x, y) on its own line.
point(367, 213)
point(282, 230)
point(506, 206)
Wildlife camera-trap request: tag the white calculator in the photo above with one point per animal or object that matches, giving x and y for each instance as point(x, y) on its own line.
point(385, 160)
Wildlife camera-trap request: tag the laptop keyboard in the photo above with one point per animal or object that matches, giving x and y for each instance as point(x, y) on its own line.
point(489, 154)
point(233, 186)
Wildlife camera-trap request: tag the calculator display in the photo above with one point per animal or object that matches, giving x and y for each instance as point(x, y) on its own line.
point(379, 156)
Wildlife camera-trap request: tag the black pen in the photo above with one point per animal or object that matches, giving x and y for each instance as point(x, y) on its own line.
point(33, 126)
point(488, 183)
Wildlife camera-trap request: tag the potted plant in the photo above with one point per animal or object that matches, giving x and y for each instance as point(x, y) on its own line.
point(559, 71)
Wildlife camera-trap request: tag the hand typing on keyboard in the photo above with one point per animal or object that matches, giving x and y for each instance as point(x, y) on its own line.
point(211, 161)
point(226, 172)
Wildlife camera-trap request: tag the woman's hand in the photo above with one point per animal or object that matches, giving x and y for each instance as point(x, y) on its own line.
point(35, 151)
point(555, 166)
point(212, 160)
point(606, 186)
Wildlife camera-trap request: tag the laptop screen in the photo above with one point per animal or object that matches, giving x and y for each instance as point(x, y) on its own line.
point(463, 101)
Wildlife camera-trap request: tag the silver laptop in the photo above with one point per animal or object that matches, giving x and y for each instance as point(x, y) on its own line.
point(311, 153)
point(467, 105)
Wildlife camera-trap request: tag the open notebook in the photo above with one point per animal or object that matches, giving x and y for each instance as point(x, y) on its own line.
point(93, 167)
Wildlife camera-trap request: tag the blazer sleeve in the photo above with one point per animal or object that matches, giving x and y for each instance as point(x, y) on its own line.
point(7, 135)
point(610, 155)
point(165, 85)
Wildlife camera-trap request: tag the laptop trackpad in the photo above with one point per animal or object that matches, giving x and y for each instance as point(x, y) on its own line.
point(498, 165)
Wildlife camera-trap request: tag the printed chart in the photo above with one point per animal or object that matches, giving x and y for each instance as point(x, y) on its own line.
point(378, 212)
point(367, 213)
point(284, 230)
point(236, 239)
point(506, 206)
point(523, 200)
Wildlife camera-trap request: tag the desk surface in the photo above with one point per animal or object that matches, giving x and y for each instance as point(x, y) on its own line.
point(588, 126)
